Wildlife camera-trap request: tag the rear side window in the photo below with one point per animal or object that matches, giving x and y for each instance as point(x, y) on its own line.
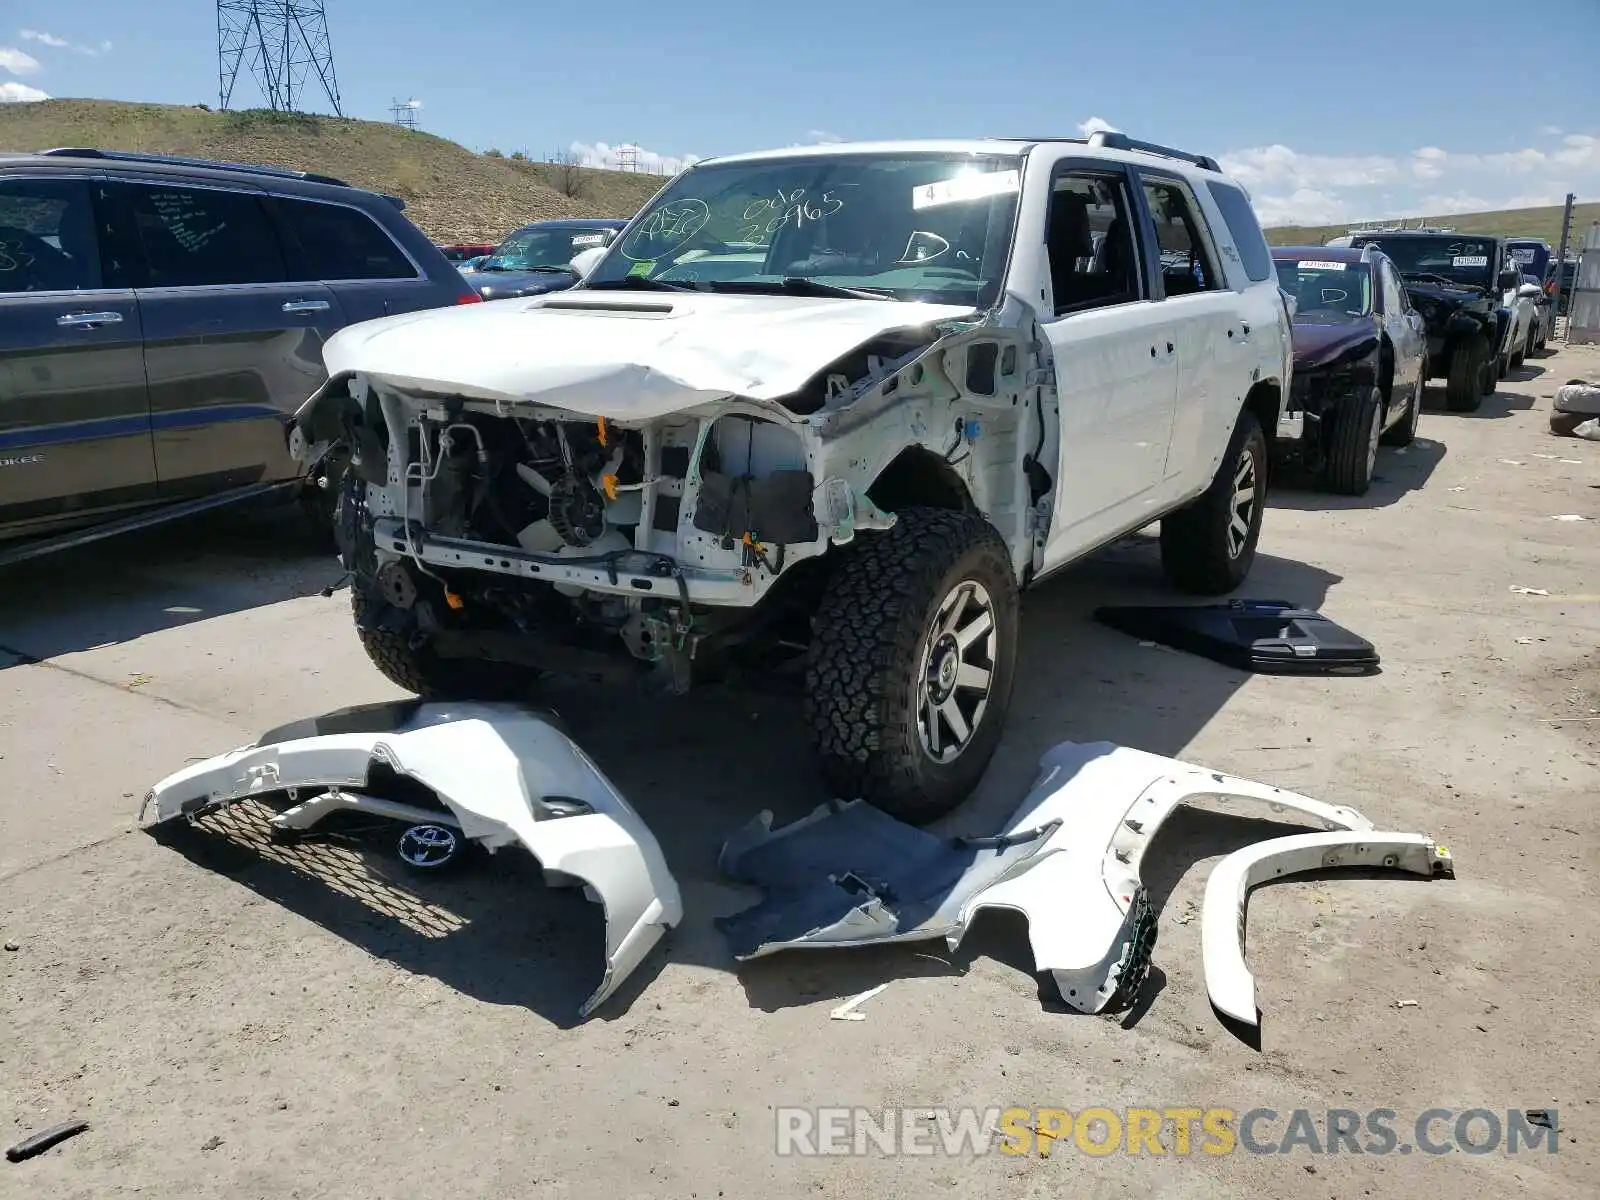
point(198, 237)
point(1245, 230)
point(342, 243)
point(1186, 262)
point(47, 239)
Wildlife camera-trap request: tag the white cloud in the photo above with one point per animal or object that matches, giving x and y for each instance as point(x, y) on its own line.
point(632, 157)
point(1550, 130)
point(1288, 186)
point(56, 42)
point(20, 93)
point(1097, 125)
point(821, 137)
point(1455, 202)
point(1277, 165)
point(17, 62)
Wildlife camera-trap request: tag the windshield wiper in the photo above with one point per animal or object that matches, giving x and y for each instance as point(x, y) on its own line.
point(797, 285)
point(641, 283)
point(1444, 279)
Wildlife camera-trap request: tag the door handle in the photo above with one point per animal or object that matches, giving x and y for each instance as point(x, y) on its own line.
point(88, 320)
point(1169, 347)
point(305, 306)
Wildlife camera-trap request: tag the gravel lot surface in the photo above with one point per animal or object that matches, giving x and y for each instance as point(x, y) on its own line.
point(241, 1019)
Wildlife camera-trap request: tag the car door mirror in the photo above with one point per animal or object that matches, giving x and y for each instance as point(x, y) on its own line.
point(586, 261)
point(1509, 279)
point(1530, 291)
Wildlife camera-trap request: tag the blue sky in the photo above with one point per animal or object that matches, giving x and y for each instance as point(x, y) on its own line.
point(1352, 109)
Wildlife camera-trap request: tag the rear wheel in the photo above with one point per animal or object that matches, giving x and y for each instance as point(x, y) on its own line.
point(1353, 444)
point(909, 673)
point(1208, 546)
point(1468, 366)
point(1404, 431)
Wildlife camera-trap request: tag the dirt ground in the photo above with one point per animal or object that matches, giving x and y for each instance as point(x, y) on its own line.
point(235, 1018)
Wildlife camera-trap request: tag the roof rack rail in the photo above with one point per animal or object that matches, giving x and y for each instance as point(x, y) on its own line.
point(182, 161)
point(1111, 140)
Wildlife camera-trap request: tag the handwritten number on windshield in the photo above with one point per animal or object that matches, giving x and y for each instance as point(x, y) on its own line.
point(764, 216)
point(667, 227)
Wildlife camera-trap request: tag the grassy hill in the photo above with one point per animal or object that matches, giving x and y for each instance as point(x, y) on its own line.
point(450, 192)
point(457, 195)
point(1513, 222)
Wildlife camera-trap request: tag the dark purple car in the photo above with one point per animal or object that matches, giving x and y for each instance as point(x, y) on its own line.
point(1360, 361)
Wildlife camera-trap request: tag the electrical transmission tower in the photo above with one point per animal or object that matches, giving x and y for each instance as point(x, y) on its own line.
point(281, 42)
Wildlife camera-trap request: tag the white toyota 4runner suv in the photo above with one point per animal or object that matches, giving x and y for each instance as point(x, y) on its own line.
point(837, 402)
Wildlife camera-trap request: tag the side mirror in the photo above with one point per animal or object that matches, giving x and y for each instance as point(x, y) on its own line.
point(585, 261)
point(1531, 291)
point(1509, 280)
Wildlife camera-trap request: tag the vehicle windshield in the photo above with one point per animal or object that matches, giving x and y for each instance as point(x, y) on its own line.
point(1532, 258)
point(1450, 259)
point(544, 248)
point(1326, 286)
point(934, 227)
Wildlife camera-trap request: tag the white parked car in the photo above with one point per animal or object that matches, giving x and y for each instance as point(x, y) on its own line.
point(840, 402)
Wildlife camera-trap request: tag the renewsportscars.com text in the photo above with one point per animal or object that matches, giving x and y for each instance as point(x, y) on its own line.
point(1175, 1130)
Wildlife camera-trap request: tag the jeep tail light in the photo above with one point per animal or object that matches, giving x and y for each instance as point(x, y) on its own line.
point(469, 298)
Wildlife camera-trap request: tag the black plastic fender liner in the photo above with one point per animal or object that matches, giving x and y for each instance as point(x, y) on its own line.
point(44, 1139)
point(1270, 636)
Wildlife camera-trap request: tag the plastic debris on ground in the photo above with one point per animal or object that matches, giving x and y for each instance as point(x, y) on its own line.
point(496, 775)
point(1270, 636)
point(1068, 859)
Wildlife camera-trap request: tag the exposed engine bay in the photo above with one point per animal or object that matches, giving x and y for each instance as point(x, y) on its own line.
point(549, 490)
point(514, 531)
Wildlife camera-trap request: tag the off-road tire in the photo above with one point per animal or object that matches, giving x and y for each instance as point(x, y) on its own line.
point(1463, 391)
point(865, 658)
point(1565, 424)
point(1196, 555)
point(419, 671)
point(1353, 438)
point(1404, 431)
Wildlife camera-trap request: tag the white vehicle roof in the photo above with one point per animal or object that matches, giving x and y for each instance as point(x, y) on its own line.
point(1091, 147)
point(910, 146)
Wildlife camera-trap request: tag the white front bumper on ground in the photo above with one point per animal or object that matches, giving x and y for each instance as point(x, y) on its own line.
point(506, 775)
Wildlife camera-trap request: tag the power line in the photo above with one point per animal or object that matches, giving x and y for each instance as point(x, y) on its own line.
point(282, 43)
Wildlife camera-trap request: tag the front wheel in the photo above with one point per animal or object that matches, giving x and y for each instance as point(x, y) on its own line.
point(1357, 426)
point(413, 666)
point(1469, 364)
point(909, 673)
point(1209, 545)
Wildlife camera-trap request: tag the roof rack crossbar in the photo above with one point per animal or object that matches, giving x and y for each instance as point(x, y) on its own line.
point(182, 161)
point(1111, 140)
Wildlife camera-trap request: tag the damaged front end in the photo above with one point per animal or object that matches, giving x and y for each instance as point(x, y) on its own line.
point(642, 473)
point(501, 775)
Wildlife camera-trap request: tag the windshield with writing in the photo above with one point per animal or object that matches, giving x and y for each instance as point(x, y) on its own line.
point(1454, 259)
point(1326, 287)
point(933, 227)
point(535, 249)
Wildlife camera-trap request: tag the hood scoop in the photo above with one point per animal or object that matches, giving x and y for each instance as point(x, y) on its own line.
point(648, 308)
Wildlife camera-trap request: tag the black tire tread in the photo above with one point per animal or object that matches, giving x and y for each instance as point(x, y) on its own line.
point(1463, 389)
point(1404, 432)
point(1194, 552)
point(415, 669)
point(1347, 447)
point(867, 634)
